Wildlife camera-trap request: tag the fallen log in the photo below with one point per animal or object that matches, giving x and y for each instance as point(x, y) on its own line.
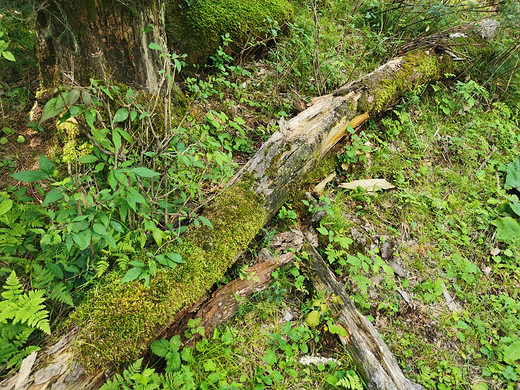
point(118, 323)
point(367, 349)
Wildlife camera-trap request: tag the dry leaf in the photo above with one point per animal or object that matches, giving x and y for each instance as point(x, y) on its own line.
point(321, 186)
point(368, 185)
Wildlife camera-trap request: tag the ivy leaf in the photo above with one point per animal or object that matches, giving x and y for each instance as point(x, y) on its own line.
point(145, 172)
point(29, 176)
point(121, 115)
point(45, 165)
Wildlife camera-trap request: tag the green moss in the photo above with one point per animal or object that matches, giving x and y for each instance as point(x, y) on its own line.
point(120, 321)
point(197, 29)
point(74, 146)
point(417, 67)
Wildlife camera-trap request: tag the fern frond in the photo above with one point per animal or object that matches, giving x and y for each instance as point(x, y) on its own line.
point(32, 312)
point(101, 267)
point(12, 287)
point(60, 293)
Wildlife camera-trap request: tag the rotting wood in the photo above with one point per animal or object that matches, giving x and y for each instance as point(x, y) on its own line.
point(284, 161)
point(371, 355)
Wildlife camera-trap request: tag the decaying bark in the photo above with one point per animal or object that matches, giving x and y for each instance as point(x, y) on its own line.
point(283, 162)
point(79, 39)
point(371, 355)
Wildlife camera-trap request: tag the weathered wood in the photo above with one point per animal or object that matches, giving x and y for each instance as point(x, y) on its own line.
point(371, 355)
point(101, 39)
point(282, 163)
point(224, 302)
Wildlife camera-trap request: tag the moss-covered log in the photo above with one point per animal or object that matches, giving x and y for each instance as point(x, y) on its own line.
point(120, 321)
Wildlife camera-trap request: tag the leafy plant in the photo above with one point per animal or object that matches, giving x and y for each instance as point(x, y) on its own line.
point(20, 315)
point(4, 45)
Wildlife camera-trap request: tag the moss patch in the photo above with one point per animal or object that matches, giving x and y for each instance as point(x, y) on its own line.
point(197, 29)
point(120, 321)
point(416, 68)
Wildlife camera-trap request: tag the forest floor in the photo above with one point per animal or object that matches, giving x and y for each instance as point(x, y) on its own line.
point(433, 263)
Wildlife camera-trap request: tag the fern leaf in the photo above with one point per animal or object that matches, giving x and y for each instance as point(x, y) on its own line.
point(59, 293)
point(32, 312)
point(12, 287)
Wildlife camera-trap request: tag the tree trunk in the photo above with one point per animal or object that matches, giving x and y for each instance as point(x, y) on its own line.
point(281, 164)
point(79, 39)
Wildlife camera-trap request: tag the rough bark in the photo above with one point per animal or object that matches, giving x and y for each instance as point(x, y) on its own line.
point(101, 39)
point(369, 352)
point(282, 163)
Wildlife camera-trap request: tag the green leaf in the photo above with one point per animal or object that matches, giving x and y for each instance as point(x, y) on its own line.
point(74, 96)
point(52, 108)
point(513, 175)
point(205, 221)
point(209, 365)
point(144, 172)
point(87, 99)
point(512, 353)
point(30, 176)
point(54, 269)
point(155, 46)
point(5, 206)
point(175, 257)
point(160, 347)
point(313, 319)
point(508, 229)
point(187, 355)
point(323, 231)
point(269, 357)
point(88, 159)
point(82, 239)
point(131, 274)
point(52, 196)
point(8, 56)
point(121, 115)
point(45, 165)
point(116, 137)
